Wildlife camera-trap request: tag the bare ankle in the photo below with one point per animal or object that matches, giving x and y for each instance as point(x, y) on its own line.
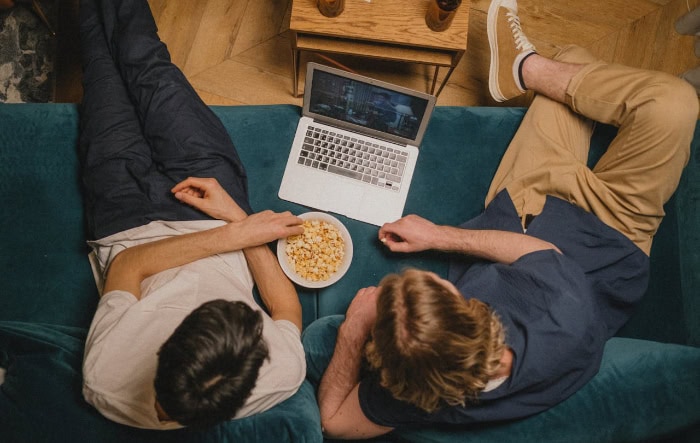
point(548, 77)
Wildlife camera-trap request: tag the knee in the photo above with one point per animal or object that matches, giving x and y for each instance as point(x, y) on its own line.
point(319, 343)
point(574, 54)
point(320, 330)
point(675, 104)
point(674, 115)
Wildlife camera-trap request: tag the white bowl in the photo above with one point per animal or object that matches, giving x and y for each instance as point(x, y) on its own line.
point(344, 266)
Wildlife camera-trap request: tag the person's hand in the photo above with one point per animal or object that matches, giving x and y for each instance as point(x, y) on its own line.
point(410, 234)
point(207, 195)
point(362, 312)
point(266, 226)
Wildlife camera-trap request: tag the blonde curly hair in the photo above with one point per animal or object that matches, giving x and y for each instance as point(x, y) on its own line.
point(430, 345)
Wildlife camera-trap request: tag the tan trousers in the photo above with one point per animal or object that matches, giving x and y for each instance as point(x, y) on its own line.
point(656, 114)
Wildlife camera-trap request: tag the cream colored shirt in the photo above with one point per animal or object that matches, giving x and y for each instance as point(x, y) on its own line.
point(121, 351)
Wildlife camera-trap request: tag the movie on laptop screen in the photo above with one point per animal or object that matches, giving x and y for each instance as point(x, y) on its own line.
point(366, 105)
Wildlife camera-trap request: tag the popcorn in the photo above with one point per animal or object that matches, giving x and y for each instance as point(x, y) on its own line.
point(317, 253)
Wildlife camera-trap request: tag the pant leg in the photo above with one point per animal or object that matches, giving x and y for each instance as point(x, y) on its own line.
point(319, 344)
point(112, 148)
point(550, 145)
point(641, 168)
point(186, 137)
point(123, 186)
point(656, 114)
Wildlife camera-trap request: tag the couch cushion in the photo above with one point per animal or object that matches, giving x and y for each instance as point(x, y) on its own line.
point(40, 399)
point(41, 228)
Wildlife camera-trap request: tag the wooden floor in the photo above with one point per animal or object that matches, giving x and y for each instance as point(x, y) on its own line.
point(237, 52)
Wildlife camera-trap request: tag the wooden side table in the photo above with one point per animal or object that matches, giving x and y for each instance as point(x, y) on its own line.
point(384, 29)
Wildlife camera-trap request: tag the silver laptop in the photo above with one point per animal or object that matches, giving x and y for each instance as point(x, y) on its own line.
point(356, 145)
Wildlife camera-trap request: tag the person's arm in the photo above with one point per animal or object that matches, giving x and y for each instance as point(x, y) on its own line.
point(413, 233)
point(208, 196)
point(338, 399)
point(133, 265)
point(277, 292)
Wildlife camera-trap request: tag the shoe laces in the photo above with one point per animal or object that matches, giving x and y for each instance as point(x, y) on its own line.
point(521, 40)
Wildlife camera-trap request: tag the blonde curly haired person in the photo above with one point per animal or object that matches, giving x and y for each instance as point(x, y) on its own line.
point(418, 340)
point(540, 280)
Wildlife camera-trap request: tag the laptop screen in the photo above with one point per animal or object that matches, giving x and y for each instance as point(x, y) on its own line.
point(351, 100)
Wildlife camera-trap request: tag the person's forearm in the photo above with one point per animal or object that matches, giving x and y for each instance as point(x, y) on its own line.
point(276, 291)
point(498, 246)
point(343, 372)
point(130, 267)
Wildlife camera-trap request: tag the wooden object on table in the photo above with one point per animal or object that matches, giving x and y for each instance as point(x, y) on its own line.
point(441, 13)
point(384, 29)
point(331, 8)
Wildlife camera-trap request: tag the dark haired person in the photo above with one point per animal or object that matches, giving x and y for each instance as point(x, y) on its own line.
point(177, 338)
point(553, 266)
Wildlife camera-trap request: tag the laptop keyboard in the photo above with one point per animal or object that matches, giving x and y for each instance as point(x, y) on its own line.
point(341, 154)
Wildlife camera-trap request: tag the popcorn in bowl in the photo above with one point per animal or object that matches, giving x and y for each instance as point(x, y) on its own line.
point(321, 255)
point(317, 253)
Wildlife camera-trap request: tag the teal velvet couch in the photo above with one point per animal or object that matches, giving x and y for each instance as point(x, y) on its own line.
point(648, 388)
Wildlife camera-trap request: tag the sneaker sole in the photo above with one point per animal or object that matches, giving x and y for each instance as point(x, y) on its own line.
point(493, 46)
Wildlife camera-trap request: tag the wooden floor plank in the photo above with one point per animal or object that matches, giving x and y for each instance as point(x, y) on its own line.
point(217, 100)
point(219, 26)
point(673, 52)
point(178, 24)
point(263, 20)
point(273, 55)
point(245, 83)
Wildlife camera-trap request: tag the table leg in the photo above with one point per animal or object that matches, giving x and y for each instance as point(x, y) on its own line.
point(295, 63)
point(435, 76)
point(295, 69)
point(444, 81)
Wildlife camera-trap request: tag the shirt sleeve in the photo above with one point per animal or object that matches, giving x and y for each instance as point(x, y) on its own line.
point(282, 375)
point(380, 407)
point(109, 310)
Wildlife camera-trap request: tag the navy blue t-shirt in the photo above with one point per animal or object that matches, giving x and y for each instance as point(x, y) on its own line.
point(558, 311)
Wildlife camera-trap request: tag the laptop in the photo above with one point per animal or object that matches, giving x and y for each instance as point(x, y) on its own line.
point(356, 145)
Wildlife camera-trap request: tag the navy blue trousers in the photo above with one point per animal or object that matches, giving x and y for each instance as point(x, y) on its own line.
point(143, 128)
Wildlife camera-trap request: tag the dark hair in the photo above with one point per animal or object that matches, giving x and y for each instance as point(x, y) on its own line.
point(208, 367)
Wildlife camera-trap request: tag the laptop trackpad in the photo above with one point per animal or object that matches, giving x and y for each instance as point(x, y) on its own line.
point(346, 200)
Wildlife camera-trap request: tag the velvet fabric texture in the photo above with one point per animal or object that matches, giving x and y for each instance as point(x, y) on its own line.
point(646, 389)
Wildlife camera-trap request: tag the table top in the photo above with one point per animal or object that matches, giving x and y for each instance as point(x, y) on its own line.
point(400, 22)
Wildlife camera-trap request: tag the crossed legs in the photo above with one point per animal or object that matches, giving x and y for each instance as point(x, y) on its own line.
point(627, 188)
point(143, 127)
